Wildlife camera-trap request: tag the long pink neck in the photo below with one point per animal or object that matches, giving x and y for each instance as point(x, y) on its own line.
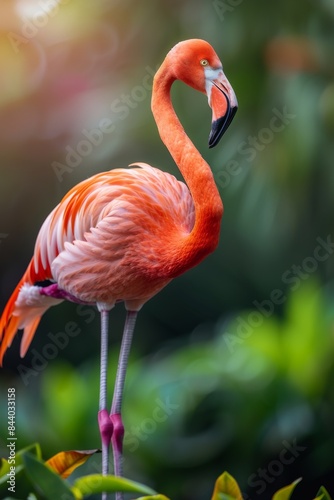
point(204, 237)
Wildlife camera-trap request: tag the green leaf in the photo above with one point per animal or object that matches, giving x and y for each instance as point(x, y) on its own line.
point(34, 449)
point(96, 483)
point(154, 497)
point(323, 494)
point(12, 498)
point(226, 488)
point(286, 492)
point(5, 471)
point(46, 481)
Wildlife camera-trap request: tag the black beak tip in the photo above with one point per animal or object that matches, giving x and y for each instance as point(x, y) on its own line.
point(219, 127)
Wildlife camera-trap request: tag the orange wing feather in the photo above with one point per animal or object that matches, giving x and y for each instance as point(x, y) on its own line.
point(104, 242)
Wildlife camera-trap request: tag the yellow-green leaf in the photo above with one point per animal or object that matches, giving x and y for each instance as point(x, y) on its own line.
point(154, 497)
point(323, 494)
point(34, 449)
point(65, 462)
point(96, 483)
point(226, 488)
point(286, 492)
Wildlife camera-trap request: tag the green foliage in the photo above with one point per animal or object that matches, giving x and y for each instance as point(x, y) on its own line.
point(154, 497)
point(286, 492)
point(44, 483)
point(33, 449)
point(323, 494)
point(179, 403)
point(226, 488)
point(96, 483)
point(35, 479)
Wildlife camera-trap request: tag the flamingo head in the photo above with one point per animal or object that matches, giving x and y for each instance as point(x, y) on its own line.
point(196, 63)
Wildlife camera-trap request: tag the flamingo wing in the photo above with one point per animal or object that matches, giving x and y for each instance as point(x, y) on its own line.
point(113, 240)
point(107, 240)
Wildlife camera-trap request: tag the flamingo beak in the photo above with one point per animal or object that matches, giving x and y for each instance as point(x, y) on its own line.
point(223, 102)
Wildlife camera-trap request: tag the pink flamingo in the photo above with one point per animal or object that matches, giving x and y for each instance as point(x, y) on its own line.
point(123, 235)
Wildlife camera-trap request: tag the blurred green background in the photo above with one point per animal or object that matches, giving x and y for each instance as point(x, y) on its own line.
point(232, 366)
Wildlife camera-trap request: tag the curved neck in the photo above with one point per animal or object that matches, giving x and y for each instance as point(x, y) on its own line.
point(195, 170)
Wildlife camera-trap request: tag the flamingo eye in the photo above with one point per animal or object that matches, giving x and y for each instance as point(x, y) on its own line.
point(204, 62)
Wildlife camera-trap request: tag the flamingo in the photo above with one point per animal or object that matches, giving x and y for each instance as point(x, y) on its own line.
point(124, 234)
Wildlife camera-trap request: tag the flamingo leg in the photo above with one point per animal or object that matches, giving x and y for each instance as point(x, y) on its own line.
point(105, 423)
point(115, 414)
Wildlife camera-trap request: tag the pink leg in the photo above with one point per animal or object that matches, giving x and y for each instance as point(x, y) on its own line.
point(117, 442)
point(115, 414)
point(105, 423)
point(111, 426)
point(106, 431)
